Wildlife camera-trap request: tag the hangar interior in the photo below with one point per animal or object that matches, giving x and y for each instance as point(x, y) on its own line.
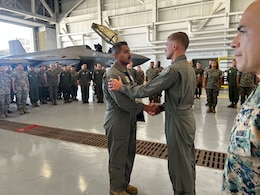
point(144, 24)
point(39, 165)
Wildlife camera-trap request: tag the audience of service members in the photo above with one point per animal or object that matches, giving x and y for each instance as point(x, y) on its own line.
point(45, 84)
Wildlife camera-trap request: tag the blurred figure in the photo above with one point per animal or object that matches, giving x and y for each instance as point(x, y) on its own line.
point(199, 78)
point(212, 83)
point(5, 86)
point(33, 78)
point(20, 85)
point(43, 88)
point(97, 80)
point(74, 85)
point(246, 83)
point(84, 79)
point(233, 90)
point(53, 81)
point(139, 75)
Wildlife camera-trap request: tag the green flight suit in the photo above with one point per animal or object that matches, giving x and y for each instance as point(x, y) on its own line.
point(120, 127)
point(97, 79)
point(233, 90)
point(33, 78)
point(179, 82)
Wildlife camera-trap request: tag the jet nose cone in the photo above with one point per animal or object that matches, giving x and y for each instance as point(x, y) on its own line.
point(138, 59)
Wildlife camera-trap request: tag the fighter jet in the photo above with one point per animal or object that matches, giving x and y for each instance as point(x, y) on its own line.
point(74, 55)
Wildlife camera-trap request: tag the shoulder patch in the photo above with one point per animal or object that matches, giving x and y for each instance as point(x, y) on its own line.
point(165, 71)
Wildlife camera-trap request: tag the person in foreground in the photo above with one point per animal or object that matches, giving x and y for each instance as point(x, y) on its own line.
point(120, 123)
point(242, 167)
point(179, 82)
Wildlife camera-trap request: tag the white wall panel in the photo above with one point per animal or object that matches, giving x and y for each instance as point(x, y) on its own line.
point(146, 26)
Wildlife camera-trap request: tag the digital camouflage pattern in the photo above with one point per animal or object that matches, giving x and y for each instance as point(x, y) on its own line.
point(213, 76)
point(5, 83)
point(247, 79)
point(242, 168)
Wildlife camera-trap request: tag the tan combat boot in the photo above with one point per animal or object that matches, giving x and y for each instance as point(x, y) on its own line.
point(118, 193)
point(132, 190)
point(25, 110)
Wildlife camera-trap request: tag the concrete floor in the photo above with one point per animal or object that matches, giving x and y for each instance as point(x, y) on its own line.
point(42, 166)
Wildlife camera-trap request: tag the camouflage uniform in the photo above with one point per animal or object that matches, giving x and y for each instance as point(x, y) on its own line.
point(232, 85)
point(247, 83)
point(43, 89)
point(53, 84)
point(152, 73)
point(5, 98)
point(212, 87)
point(74, 85)
point(20, 79)
point(140, 77)
point(199, 75)
point(242, 168)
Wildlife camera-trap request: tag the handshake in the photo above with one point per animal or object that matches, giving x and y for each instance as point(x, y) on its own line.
point(152, 109)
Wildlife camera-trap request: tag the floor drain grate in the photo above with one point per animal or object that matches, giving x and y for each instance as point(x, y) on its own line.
point(158, 150)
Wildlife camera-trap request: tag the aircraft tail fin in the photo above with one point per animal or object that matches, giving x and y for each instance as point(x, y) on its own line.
point(16, 47)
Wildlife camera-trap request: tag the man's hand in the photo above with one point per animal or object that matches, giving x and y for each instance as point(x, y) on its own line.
point(152, 109)
point(115, 84)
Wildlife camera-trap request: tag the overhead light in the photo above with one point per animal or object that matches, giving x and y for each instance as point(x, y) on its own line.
point(141, 1)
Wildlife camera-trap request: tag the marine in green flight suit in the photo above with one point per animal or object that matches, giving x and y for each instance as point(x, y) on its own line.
point(120, 124)
point(179, 82)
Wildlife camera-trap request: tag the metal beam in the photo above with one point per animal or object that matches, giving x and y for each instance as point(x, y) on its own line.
point(27, 14)
point(71, 9)
point(47, 7)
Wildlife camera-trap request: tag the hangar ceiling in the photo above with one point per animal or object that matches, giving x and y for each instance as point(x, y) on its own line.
point(29, 13)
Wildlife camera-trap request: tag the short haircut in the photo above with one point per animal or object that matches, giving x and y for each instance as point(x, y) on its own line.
point(117, 47)
point(181, 37)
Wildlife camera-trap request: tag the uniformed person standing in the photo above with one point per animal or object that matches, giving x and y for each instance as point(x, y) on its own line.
point(233, 90)
point(139, 75)
point(179, 82)
point(241, 174)
point(120, 124)
point(65, 83)
point(246, 83)
point(43, 89)
point(84, 80)
point(97, 81)
point(74, 85)
point(20, 85)
point(5, 86)
point(212, 82)
point(53, 80)
point(33, 78)
point(151, 73)
point(199, 75)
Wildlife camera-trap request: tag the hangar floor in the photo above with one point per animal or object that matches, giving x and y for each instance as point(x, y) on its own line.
point(38, 165)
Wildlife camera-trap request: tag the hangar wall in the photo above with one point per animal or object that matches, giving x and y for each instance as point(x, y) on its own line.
point(145, 24)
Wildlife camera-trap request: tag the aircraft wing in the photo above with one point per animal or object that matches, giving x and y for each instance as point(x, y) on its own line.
point(74, 55)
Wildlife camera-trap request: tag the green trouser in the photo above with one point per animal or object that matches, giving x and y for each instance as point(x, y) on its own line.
point(233, 93)
point(121, 136)
point(21, 97)
point(4, 103)
point(212, 97)
point(180, 134)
